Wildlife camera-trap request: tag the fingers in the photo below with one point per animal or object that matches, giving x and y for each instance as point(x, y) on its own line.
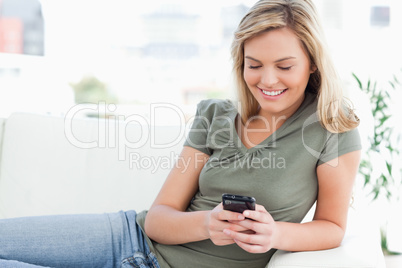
point(253, 225)
point(251, 230)
point(259, 215)
point(226, 215)
point(252, 248)
point(236, 227)
point(259, 231)
point(218, 220)
point(253, 241)
point(215, 230)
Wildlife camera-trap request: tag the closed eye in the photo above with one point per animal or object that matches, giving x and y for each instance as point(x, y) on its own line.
point(253, 67)
point(285, 68)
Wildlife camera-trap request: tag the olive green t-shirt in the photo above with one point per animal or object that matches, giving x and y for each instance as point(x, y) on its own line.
point(280, 173)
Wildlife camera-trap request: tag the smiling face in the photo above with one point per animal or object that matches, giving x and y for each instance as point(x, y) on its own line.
point(276, 71)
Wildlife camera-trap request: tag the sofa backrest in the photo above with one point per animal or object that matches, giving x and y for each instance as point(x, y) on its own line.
point(57, 165)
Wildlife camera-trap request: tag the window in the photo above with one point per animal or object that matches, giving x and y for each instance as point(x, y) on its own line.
point(380, 16)
point(176, 51)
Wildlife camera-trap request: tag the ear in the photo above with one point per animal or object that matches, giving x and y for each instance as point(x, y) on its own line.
point(313, 68)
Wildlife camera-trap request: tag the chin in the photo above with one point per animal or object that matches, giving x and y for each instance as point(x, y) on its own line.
point(273, 111)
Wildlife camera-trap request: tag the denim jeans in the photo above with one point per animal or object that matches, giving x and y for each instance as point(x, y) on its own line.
point(98, 240)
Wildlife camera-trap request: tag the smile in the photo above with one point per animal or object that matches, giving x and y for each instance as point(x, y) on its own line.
point(273, 93)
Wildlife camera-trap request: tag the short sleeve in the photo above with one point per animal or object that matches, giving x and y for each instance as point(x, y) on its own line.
point(339, 144)
point(198, 133)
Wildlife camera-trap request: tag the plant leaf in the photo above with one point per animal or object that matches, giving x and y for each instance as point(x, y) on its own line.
point(358, 81)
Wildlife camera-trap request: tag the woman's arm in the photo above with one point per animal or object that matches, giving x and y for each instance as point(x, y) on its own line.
point(335, 182)
point(168, 223)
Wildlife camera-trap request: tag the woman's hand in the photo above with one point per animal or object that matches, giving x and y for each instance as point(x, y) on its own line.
point(217, 221)
point(263, 235)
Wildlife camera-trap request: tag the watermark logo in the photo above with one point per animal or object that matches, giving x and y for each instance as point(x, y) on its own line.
point(331, 141)
point(248, 161)
point(130, 134)
point(112, 130)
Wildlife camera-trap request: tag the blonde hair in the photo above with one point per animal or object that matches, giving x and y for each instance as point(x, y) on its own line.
point(300, 16)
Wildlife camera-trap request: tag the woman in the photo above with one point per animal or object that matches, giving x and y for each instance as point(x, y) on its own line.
point(293, 143)
point(284, 76)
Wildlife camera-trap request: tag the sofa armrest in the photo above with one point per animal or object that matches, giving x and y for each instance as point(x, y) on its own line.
point(353, 252)
point(360, 248)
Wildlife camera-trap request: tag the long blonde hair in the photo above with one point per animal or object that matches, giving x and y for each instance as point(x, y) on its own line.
point(300, 16)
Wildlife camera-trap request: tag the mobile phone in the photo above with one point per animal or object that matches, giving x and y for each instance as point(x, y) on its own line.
point(238, 203)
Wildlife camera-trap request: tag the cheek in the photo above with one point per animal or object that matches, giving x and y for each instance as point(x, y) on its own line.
point(298, 79)
point(251, 78)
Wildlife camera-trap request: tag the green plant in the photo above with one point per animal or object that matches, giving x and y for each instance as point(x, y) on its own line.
point(91, 90)
point(377, 165)
point(384, 244)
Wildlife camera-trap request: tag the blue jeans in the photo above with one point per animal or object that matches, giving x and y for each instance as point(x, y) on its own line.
point(98, 240)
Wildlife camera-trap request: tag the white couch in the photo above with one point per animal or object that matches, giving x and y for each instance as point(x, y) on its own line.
point(58, 165)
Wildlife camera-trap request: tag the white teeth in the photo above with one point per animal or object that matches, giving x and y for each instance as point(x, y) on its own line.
point(273, 93)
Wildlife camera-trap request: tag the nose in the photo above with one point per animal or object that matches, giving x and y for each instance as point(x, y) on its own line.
point(269, 78)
